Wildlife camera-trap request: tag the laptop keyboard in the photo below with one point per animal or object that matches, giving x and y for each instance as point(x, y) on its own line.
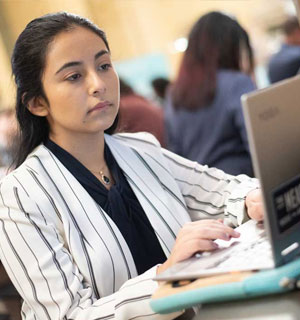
point(246, 254)
point(251, 251)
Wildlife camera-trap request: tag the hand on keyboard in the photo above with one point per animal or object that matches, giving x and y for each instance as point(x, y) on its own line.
point(196, 237)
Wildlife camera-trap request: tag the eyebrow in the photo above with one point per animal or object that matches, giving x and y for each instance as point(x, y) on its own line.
point(76, 63)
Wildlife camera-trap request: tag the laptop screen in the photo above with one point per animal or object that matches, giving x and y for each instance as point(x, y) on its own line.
point(272, 118)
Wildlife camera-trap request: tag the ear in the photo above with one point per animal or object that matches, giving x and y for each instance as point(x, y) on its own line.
point(38, 106)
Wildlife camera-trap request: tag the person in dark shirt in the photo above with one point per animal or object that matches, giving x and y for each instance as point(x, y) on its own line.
point(286, 62)
point(137, 114)
point(160, 87)
point(203, 114)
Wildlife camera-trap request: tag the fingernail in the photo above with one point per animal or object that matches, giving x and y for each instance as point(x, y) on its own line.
point(226, 236)
point(236, 233)
point(215, 245)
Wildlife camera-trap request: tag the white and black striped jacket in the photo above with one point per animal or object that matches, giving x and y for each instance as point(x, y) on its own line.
point(64, 254)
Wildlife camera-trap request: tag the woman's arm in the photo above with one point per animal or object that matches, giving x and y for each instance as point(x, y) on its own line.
point(210, 193)
point(33, 251)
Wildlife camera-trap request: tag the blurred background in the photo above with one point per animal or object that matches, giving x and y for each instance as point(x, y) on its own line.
point(147, 40)
point(147, 37)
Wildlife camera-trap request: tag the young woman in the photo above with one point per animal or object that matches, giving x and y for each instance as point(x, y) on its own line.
point(87, 218)
point(203, 113)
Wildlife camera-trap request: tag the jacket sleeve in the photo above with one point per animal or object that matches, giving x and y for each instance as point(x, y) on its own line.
point(34, 254)
point(210, 192)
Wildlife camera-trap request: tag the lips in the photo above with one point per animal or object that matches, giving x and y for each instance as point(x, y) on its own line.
point(100, 105)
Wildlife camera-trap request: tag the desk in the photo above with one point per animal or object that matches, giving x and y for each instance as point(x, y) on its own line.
point(284, 306)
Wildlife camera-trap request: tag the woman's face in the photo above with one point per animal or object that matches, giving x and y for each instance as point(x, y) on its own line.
point(81, 85)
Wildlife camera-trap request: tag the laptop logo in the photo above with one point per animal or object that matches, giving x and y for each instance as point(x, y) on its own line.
point(286, 201)
point(268, 113)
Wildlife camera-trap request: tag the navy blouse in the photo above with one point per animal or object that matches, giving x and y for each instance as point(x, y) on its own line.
point(121, 204)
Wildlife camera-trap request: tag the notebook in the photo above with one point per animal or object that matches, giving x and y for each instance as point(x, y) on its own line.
point(272, 117)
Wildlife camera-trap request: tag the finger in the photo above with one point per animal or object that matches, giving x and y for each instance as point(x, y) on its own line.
point(194, 246)
point(231, 232)
point(203, 245)
point(222, 229)
point(217, 233)
point(209, 232)
point(205, 222)
point(194, 226)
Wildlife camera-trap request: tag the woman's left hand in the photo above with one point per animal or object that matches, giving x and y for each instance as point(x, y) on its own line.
point(254, 205)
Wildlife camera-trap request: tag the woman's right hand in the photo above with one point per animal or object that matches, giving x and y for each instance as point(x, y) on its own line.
point(195, 237)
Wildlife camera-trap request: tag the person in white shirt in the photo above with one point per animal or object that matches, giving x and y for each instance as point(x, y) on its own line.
point(88, 218)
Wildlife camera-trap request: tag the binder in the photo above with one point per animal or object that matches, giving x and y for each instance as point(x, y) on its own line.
point(178, 295)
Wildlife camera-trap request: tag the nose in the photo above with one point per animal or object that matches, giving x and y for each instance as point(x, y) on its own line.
point(96, 85)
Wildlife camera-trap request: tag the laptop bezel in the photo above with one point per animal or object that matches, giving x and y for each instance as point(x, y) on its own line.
point(261, 107)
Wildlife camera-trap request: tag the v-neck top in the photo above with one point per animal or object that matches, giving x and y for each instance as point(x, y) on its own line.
point(121, 204)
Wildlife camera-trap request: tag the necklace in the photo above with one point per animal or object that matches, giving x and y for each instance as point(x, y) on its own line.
point(105, 179)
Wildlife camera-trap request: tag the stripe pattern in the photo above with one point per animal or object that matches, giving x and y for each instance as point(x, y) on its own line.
point(65, 255)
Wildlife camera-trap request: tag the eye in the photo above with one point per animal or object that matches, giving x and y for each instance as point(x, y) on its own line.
point(104, 67)
point(73, 77)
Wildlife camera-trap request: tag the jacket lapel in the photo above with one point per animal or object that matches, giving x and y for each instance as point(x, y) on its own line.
point(147, 186)
point(94, 240)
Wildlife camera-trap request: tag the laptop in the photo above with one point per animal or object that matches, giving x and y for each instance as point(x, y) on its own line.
point(272, 117)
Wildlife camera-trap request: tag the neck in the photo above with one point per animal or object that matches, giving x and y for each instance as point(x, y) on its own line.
point(89, 149)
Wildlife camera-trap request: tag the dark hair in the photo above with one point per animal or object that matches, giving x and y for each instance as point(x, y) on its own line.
point(160, 86)
point(215, 42)
point(125, 88)
point(28, 63)
point(290, 25)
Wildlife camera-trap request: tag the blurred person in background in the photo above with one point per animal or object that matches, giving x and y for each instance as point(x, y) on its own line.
point(8, 143)
point(286, 62)
point(203, 115)
point(8, 136)
point(137, 114)
point(160, 86)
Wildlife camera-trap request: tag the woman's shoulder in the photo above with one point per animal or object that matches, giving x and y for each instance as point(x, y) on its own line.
point(32, 163)
point(234, 83)
point(137, 139)
point(233, 76)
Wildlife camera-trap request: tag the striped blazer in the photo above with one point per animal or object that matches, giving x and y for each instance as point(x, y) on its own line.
point(64, 254)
